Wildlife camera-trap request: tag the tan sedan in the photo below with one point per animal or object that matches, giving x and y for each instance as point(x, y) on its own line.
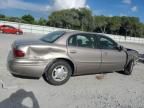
point(61, 54)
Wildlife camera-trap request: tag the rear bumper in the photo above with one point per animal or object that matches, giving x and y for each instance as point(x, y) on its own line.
point(26, 68)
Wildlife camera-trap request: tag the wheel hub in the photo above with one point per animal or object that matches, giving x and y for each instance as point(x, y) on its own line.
point(59, 73)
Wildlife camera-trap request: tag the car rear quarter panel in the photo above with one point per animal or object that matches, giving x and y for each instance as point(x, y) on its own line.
point(45, 53)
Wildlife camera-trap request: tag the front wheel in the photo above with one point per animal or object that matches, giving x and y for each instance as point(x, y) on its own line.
point(128, 70)
point(58, 73)
point(17, 33)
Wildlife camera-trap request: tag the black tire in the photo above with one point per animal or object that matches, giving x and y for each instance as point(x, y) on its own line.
point(48, 75)
point(17, 33)
point(129, 68)
point(3, 32)
point(21, 33)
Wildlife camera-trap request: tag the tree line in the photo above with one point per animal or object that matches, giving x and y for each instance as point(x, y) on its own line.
point(83, 19)
point(28, 19)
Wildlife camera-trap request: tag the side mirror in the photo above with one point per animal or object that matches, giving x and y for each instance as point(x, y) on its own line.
point(120, 48)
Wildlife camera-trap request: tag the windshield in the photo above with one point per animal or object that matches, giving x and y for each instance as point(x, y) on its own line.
point(53, 36)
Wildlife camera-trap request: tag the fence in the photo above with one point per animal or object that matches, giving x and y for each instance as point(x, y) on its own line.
point(129, 39)
point(31, 28)
point(46, 29)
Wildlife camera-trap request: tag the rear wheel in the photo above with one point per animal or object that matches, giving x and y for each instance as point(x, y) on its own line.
point(128, 70)
point(58, 73)
point(3, 32)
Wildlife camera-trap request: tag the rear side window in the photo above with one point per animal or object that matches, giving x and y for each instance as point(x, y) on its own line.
point(53, 36)
point(82, 40)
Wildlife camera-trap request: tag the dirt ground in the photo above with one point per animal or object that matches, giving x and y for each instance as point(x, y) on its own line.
point(112, 90)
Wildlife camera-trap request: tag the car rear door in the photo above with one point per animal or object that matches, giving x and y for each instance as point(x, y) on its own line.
point(81, 48)
point(112, 58)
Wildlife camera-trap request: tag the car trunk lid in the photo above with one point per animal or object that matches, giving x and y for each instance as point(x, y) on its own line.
point(28, 42)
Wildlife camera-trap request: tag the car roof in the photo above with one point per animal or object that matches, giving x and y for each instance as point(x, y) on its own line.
point(7, 25)
point(77, 32)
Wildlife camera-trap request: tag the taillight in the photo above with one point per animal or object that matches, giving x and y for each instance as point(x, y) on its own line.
point(18, 53)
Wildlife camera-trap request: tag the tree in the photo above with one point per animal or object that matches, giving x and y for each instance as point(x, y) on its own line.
point(86, 19)
point(42, 21)
point(2, 16)
point(142, 27)
point(68, 18)
point(114, 25)
point(55, 19)
point(80, 19)
point(130, 26)
point(14, 19)
point(28, 19)
point(71, 19)
point(101, 23)
point(139, 31)
point(135, 27)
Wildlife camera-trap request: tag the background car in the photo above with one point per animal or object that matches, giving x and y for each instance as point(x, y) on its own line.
point(10, 30)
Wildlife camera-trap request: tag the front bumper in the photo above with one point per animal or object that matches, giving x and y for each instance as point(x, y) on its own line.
point(26, 68)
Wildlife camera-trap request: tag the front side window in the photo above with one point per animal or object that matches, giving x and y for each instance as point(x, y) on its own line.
point(82, 40)
point(106, 43)
point(53, 36)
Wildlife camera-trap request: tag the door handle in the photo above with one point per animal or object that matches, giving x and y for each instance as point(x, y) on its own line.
point(73, 51)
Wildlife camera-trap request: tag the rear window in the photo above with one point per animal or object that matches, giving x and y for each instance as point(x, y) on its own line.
point(53, 36)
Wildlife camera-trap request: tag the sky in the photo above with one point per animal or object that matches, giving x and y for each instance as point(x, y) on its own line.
point(43, 8)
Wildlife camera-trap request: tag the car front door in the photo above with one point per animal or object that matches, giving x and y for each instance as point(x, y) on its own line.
point(12, 29)
point(112, 58)
point(8, 29)
point(81, 48)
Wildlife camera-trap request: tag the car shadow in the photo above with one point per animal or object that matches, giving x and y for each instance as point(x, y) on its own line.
point(120, 72)
point(16, 100)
